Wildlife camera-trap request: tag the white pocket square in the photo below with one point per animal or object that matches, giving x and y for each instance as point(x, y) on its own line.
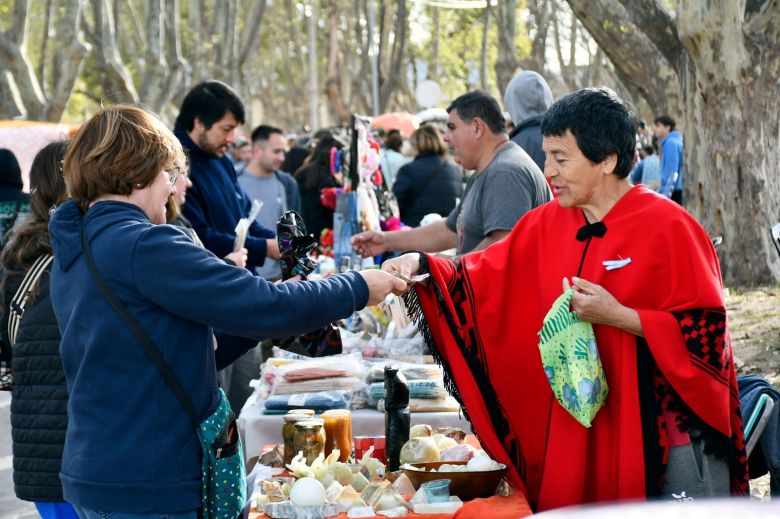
point(616, 264)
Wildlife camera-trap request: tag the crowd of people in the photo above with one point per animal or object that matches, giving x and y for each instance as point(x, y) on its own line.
point(553, 196)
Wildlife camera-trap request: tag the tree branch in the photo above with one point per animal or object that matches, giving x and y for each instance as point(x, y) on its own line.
point(155, 66)
point(70, 57)
point(13, 58)
point(631, 52)
point(251, 37)
point(658, 24)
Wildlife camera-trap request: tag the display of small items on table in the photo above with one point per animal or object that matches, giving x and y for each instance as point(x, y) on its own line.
point(440, 470)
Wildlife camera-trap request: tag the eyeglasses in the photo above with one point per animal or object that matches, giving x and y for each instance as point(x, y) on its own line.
point(173, 174)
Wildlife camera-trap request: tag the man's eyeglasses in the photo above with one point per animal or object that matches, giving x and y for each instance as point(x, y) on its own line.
point(173, 174)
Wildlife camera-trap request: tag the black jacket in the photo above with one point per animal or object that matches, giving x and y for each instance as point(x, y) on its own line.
point(39, 400)
point(316, 216)
point(528, 135)
point(428, 184)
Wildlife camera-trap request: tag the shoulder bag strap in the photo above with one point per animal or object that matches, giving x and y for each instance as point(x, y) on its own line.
point(140, 334)
point(22, 296)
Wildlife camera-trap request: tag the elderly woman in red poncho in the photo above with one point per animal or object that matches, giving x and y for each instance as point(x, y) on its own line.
point(646, 276)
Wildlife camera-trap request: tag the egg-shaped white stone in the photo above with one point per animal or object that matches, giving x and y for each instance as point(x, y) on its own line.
point(307, 492)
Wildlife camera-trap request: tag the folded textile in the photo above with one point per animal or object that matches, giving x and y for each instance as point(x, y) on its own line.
point(317, 401)
point(424, 389)
point(410, 371)
point(420, 405)
point(283, 387)
point(302, 375)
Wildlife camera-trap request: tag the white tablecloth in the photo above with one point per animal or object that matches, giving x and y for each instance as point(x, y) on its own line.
point(258, 430)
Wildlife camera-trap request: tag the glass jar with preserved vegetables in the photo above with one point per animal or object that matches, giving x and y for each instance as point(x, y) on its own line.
point(309, 438)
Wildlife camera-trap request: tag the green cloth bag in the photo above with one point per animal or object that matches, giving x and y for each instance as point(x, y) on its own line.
point(571, 361)
point(223, 471)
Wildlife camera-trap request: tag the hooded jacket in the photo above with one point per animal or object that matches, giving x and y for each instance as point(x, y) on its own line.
point(130, 447)
point(527, 98)
point(215, 204)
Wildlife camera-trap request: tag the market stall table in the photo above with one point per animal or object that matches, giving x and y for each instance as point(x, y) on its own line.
point(259, 430)
point(494, 507)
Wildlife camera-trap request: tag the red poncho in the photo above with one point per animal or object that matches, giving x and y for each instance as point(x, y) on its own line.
point(483, 313)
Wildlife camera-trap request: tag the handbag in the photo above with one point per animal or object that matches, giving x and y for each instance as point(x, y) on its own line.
point(16, 310)
point(223, 472)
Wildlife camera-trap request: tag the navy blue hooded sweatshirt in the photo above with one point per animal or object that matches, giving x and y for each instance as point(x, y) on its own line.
point(130, 447)
point(215, 204)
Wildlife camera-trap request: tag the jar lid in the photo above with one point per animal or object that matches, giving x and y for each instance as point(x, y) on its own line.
point(295, 417)
point(310, 422)
point(307, 412)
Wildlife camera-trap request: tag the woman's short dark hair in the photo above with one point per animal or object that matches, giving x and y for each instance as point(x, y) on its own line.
point(600, 120)
point(209, 101)
point(480, 104)
point(394, 140)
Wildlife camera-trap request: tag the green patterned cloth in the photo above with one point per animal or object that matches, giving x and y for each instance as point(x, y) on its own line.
point(571, 361)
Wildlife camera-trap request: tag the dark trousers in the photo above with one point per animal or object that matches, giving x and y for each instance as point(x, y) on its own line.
point(677, 196)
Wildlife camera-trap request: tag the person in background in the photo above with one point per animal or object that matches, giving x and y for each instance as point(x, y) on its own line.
point(240, 153)
point(206, 127)
point(174, 217)
point(14, 203)
point(314, 176)
point(131, 449)
point(263, 181)
point(390, 156)
point(671, 157)
point(648, 170)
point(39, 416)
point(430, 183)
point(645, 274)
point(506, 184)
point(294, 157)
point(527, 97)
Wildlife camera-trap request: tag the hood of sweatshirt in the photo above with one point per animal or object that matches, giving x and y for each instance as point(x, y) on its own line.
point(527, 95)
point(65, 226)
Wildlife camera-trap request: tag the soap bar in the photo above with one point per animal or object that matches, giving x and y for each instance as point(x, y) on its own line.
point(438, 508)
point(289, 511)
point(361, 511)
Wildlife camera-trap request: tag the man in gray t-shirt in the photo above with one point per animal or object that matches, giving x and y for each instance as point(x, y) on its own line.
point(496, 198)
point(263, 182)
point(506, 184)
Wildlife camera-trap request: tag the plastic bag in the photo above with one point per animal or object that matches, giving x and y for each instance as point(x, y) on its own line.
point(571, 361)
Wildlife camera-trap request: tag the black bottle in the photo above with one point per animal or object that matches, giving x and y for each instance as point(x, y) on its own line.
point(397, 419)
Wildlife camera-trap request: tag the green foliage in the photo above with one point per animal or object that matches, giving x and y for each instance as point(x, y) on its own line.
point(460, 49)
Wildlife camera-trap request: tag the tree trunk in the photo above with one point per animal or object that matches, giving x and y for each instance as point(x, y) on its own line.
point(540, 12)
point(338, 108)
point(69, 57)
point(155, 67)
point(117, 83)
point(631, 51)
point(731, 177)
point(507, 61)
point(726, 75)
point(13, 58)
point(483, 57)
point(395, 77)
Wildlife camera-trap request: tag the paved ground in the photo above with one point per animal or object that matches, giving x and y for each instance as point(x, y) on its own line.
point(10, 507)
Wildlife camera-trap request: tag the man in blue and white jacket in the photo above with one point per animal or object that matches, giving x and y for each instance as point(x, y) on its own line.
point(671, 157)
